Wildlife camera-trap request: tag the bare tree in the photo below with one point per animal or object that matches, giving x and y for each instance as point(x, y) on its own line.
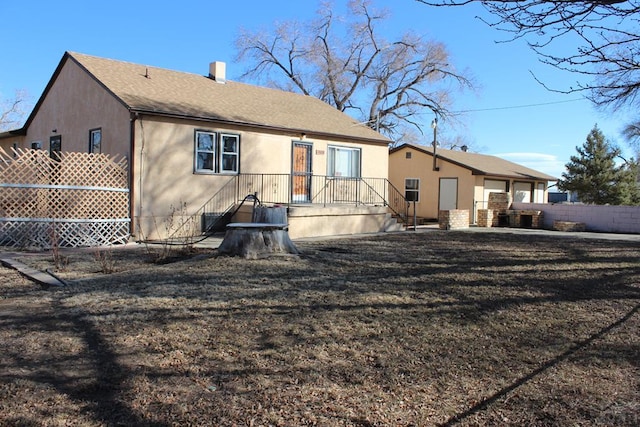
point(12, 111)
point(607, 40)
point(387, 84)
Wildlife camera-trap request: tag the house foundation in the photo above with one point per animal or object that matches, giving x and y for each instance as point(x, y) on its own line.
point(311, 220)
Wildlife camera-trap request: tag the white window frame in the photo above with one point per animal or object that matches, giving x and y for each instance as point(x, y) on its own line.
point(224, 154)
point(416, 190)
point(218, 156)
point(356, 164)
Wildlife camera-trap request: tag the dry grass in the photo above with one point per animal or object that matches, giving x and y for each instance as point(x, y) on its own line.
point(439, 328)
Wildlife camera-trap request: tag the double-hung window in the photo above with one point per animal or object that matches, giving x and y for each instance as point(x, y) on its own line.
point(343, 162)
point(216, 152)
point(412, 189)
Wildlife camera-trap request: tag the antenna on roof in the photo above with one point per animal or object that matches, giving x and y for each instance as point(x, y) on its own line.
point(146, 72)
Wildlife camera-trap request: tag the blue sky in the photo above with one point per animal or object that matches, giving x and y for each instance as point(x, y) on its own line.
point(510, 114)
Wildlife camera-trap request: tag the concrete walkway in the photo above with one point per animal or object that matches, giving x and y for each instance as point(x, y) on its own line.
point(559, 234)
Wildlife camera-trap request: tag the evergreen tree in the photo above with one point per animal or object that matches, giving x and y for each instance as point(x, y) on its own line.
point(596, 178)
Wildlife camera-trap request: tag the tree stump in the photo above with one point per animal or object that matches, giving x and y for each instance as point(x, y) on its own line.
point(270, 215)
point(253, 240)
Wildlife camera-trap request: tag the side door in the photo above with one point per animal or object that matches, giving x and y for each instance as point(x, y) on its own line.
point(301, 172)
point(448, 198)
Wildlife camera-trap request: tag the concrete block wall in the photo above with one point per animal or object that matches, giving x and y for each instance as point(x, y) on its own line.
point(607, 219)
point(454, 219)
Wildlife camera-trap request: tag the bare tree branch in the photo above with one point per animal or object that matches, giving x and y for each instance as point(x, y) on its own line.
point(12, 111)
point(607, 38)
point(350, 65)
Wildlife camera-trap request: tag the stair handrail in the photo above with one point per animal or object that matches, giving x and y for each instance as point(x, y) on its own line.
point(398, 196)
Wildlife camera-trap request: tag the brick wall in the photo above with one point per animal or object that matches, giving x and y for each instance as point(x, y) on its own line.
point(499, 201)
point(568, 226)
point(534, 219)
point(485, 218)
point(453, 219)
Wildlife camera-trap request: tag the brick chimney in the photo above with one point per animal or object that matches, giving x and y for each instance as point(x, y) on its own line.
point(217, 71)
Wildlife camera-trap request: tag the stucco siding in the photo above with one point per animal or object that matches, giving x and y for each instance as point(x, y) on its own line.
point(420, 166)
point(74, 105)
point(166, 184)
point(471, 194)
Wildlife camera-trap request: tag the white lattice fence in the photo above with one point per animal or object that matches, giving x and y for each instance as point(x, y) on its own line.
point(79, 199)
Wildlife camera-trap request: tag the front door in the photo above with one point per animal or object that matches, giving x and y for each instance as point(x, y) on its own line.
point(301, 172)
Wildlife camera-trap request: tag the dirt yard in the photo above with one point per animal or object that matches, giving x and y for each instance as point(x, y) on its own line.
point(439, 328)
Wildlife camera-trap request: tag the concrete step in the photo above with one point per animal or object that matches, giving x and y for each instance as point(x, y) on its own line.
point(392, 224)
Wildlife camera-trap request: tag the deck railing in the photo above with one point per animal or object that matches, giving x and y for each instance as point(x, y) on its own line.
point(284, 189)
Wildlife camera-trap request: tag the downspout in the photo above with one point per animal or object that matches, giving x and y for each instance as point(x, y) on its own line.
point(132, 151)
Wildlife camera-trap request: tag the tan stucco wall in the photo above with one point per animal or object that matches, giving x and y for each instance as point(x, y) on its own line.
point(164, 175)
point(420, 165)
point(7, 142)
point(74, 105)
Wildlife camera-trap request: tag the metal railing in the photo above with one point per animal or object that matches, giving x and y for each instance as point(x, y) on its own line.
point(285, 189)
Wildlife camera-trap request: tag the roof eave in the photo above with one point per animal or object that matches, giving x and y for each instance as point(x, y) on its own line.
point(473, 170)
point(515, 176)
point(296, 131)
point(10, 133)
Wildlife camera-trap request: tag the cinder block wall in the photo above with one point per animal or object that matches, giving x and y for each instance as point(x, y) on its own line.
point(608, 219)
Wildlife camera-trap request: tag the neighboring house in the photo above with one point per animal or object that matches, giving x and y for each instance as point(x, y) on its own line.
point(192, 138)
point(460, 180)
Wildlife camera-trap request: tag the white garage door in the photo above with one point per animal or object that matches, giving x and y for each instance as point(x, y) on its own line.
point(522, 192)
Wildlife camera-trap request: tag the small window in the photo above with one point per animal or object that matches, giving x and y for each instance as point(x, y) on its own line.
point(407, 155)
point(55, 147)
point(95, 141)
point(343, 162)
point(36, 145)
point(216, 155)
point(412, 189)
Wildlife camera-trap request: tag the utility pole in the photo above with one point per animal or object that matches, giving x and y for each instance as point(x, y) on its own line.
point(434, 125)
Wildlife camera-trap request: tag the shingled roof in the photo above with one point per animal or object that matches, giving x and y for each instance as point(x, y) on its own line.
point(481, 164)
point(153, 90)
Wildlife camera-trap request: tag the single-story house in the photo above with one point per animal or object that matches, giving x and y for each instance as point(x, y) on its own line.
point(202, 142)
point(460, 180)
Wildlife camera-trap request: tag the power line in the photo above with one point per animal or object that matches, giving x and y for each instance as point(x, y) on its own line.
point(513, 107)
